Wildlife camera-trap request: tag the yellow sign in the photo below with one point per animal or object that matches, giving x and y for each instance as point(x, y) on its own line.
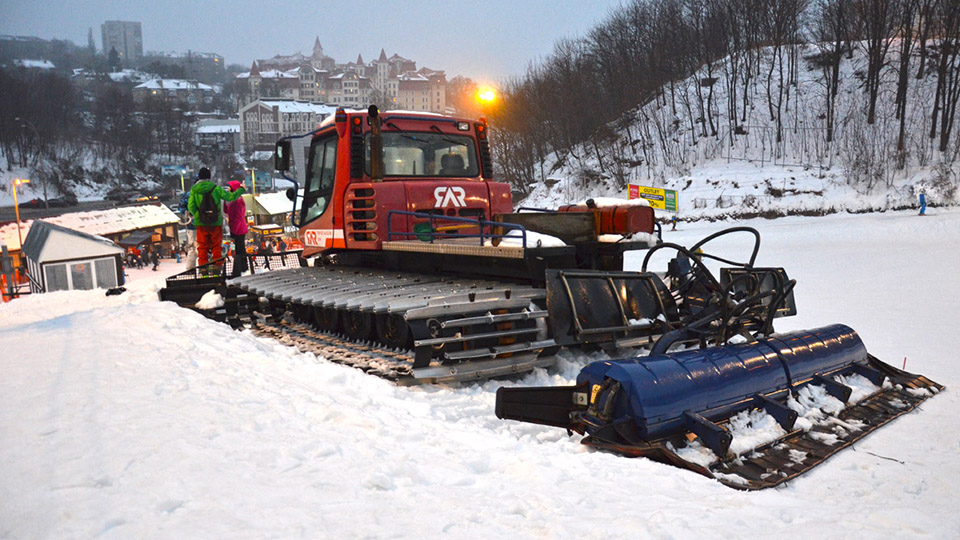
point(664, 199)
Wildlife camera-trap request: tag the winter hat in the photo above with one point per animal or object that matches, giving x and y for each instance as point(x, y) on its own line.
point(203, 174)
point(234, 185)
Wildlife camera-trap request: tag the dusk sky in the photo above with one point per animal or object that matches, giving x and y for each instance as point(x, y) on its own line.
point(484, 40)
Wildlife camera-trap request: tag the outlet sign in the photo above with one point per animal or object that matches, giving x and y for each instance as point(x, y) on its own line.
point(664, 199)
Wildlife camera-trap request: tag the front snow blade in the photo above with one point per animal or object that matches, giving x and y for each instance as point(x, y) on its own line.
point(799, 451)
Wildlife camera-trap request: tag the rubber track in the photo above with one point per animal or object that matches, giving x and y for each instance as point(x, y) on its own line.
point(388, 364)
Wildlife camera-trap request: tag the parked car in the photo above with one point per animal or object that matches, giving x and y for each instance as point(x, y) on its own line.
point(62, 202)
point(138, 198)
point(33, 203)
point(120, 195)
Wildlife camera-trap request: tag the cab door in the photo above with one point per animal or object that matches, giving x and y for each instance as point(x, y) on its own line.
point(317, 215)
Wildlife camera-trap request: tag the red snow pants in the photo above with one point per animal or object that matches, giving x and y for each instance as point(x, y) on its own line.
point(208, 244)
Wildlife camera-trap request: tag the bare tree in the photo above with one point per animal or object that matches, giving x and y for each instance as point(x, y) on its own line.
point(947, 15)
point(877, 22)
point(906, 16)
point(832, 34)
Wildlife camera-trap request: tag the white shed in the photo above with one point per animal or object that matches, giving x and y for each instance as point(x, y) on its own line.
point(62, 259)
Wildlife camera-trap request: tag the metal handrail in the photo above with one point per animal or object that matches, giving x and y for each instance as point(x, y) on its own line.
point(433, 234)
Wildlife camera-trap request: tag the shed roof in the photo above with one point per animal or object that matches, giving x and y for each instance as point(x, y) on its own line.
point(135, 238)
point(41, 231)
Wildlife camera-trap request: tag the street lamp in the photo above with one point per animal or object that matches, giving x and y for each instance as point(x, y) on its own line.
point(28, 124)
point(253, 180)
point(486, 96)
point(16, 204)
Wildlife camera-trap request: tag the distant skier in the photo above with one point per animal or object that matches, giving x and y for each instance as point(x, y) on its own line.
point(673, 221)
point(155, 258)
point(923, 199)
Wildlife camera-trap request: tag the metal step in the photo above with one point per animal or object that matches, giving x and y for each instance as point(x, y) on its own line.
point(490, 352)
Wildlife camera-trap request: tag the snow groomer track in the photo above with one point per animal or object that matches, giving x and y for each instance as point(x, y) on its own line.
point(406, 327)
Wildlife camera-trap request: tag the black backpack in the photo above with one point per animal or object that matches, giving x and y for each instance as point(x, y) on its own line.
point(208, 212)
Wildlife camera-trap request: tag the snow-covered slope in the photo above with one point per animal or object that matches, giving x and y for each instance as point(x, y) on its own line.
point(666, 144)
point(125, 417)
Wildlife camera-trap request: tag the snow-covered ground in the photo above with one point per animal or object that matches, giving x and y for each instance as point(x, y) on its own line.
point(125, 417)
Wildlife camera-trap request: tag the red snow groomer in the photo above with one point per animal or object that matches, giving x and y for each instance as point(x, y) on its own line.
point(718, 392)
point(423, 272)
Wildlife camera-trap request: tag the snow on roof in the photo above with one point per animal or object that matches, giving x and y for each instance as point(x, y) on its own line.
point(37, 64)
point(290, 106)
point(226, 128)
point(274, 74)
point(97, 222)
point(174, 84)
point(275, 203)
point(129, 75)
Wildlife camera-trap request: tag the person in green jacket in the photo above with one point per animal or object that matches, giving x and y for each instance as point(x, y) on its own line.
point(209, 229)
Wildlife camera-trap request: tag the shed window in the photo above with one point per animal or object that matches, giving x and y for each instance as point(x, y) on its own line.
point(56, 277)
point(106, 273)
point(82, 276)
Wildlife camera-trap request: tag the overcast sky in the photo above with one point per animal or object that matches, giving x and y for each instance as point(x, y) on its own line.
point(485, 40)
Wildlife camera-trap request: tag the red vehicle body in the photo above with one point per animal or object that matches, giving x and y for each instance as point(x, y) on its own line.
point(432, 164)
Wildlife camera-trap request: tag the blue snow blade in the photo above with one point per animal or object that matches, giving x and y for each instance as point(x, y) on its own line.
point(655, 392)
point(656, 406)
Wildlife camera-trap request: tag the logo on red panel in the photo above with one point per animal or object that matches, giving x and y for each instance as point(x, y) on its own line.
point(449, 196)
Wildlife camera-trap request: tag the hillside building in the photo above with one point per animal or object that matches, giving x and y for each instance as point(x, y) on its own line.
point(179, 90)
point(216, 135)
point(124, 36)
point(206, 67)
point(264, 121)
point(390, 82)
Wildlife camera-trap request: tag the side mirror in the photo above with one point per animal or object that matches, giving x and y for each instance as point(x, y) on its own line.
point(292, 194)
point(281, 156)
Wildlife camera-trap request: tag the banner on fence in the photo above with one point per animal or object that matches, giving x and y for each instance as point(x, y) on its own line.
point(664, 199)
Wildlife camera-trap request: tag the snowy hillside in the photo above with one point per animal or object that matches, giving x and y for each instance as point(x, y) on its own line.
point(742, 169)
point(125, 417)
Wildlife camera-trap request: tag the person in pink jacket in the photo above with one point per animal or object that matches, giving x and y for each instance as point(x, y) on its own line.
point(236, 213)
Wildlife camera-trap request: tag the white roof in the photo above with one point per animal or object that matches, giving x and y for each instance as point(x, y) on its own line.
point(262, 155)
point(274, 74)
point(38, 64)
point(276, 203)
point(290, 106)
point(300, 106)
point(226, 128)
point(98, 222)
point(174, 84)
point(129, 75)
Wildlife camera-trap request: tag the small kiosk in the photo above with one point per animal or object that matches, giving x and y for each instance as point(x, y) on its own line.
point(62, 259)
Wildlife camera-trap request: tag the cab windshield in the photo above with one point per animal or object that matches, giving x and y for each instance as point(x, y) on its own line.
point(426, 154)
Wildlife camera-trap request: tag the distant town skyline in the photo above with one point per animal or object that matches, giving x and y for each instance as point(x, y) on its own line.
point(487, 41)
